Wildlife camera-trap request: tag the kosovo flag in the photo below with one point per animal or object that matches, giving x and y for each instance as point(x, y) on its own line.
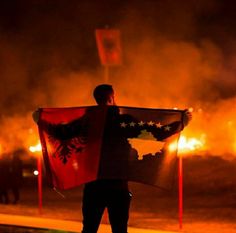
point(84, 144)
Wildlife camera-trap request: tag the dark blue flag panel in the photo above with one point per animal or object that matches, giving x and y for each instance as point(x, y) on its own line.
point(140, 144)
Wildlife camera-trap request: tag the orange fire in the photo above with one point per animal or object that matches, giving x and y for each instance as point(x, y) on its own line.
point(185, 145)
point(188, 145)
point(36, 148)
point(206, 134)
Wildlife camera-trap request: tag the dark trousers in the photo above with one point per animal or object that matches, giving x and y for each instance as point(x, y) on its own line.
point(117, 203)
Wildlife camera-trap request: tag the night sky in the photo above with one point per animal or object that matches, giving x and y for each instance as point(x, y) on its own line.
point(175, 54)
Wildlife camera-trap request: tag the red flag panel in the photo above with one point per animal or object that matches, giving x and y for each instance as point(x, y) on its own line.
point(109, 46)
point(71, 155)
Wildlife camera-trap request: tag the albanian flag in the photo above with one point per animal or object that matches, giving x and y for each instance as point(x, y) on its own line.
point(109, 47)
point(84, 144)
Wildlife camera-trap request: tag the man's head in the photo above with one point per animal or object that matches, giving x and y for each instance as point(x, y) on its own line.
point(104, 94)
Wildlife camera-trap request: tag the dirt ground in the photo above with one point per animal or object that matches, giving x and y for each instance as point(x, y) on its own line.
point(209, 201)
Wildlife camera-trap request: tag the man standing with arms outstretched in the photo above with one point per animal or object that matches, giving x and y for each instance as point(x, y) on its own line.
point(112, 193)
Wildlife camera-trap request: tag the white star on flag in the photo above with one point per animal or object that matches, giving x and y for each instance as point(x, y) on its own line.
point(123, 125)
point(167, 128)
point(159, 125)
point(132, 124)
point(141, 123)
point(151, 123)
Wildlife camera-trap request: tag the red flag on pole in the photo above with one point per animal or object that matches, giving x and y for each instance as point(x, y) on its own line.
point(109, 46)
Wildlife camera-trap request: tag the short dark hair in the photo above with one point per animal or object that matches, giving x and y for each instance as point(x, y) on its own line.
point(102, 92)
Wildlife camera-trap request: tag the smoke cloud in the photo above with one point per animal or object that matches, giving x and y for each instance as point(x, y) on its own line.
point(174, 55)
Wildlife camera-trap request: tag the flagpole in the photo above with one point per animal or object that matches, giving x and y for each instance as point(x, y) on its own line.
point(40, 203)
point(180, 173)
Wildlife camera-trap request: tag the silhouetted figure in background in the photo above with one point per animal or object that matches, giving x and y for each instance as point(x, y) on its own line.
point(16, 176)
point(4, 178)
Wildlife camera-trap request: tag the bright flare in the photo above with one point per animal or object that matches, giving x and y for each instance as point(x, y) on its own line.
point(187, 145)
point(36, 148)
point(36, 172)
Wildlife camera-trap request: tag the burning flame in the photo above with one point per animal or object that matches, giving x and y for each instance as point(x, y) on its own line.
point(185, 145)
point(36, 148)
point(188, 145)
